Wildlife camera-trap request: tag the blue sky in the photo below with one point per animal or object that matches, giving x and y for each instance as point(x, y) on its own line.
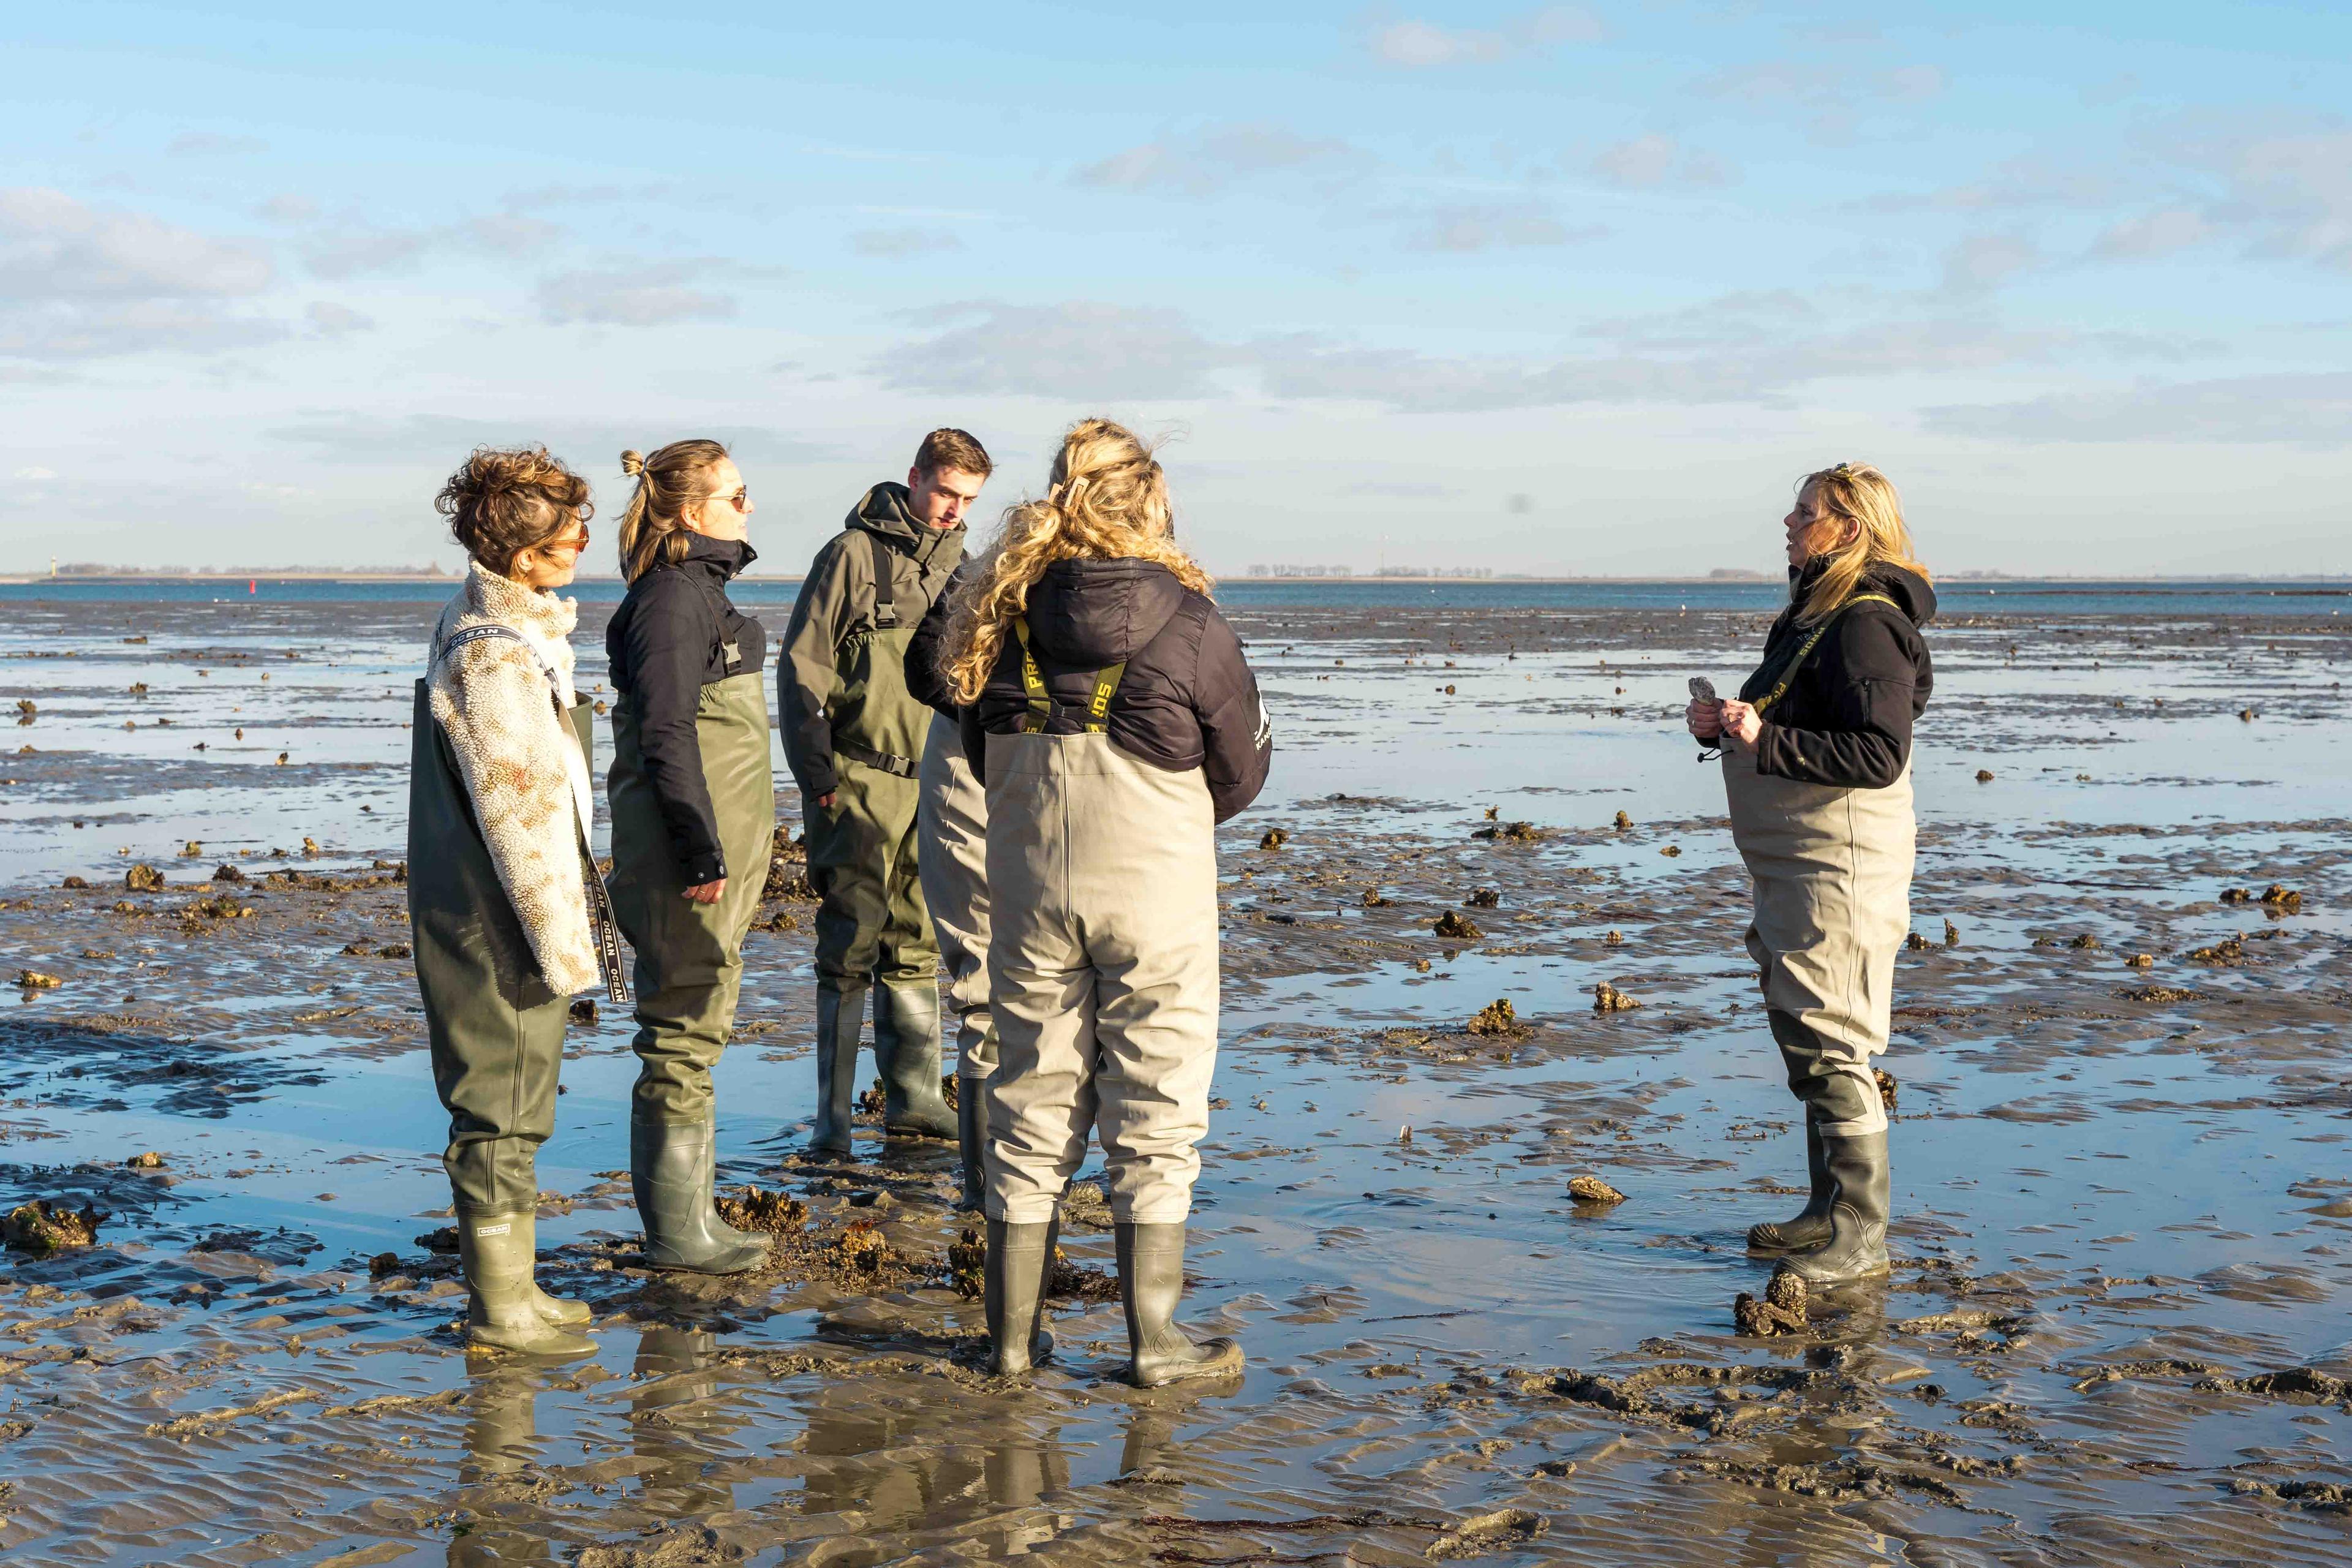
point(1548, 289)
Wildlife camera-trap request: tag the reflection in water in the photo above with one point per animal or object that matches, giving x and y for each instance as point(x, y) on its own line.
point(501, 1440)
point(669, 1410)
point(904, 1474)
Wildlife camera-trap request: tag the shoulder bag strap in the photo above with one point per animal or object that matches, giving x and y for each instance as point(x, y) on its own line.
point(1819, 632)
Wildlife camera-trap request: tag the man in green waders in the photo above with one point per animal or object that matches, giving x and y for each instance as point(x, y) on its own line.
point(853, 740)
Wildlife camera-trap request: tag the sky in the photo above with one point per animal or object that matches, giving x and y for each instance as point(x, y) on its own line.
point(1563, 289)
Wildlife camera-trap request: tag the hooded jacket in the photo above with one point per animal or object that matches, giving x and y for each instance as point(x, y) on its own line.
point(841, 597)
point(927, 680)
point(1845, 718)
point(1186, 700)
point(514, 747)
point(676, 633)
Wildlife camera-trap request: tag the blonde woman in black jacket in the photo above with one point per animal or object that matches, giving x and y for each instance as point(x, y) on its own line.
point(1113, 721)
point(1817, 765)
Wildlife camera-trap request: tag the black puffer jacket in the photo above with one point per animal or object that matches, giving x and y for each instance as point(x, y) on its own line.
point(675, 633)
point(1845, 718)
point(1187, 700)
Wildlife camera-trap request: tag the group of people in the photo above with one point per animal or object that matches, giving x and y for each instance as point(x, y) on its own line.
point(1014, 764)
point(1011, 767)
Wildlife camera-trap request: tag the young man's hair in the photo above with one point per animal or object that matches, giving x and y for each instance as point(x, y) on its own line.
point(948, 448)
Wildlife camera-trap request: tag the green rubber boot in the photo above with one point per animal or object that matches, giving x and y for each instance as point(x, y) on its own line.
point(906, 1053)
point(1811, 1228)
point(495, 1254)
point(669, 1167)
point(839, 1017)
point(1857, 1246)
point(1150, 1283)
point(1020, 1261)
point(972, 1141)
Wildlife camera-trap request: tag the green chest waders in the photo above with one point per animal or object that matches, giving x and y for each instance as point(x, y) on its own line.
point(873, 928)
point(495, 1031)
point(689, 956)
point(689, 966)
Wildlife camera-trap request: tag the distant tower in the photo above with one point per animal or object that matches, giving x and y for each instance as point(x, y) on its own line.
point(53, 565)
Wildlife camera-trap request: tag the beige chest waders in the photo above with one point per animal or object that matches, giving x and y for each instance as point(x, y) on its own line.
point(1103, 967)
point(951, 835)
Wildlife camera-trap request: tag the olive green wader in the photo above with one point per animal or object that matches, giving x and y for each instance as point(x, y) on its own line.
point(1831, 869)
point(873, 928)
point(495, 1032)
point(689, 966)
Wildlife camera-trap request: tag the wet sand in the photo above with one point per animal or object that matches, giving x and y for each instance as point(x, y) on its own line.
point(2114, 1331)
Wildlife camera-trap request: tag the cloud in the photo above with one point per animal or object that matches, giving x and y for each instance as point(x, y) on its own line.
point(2310, 409)
point(1645, 163)
point(592, 447)
point(35, 474)
point(2152, 235)
point(1077, 351)
point(362, 249)
point(657, 294)
point(902, 241)
point(366, 251)
point(53, 248)
point(333, 320)
point(288, 208)
point(213, 144)
point(1418, 45)
point(1464, 229)
point(1208, 161)
point(79, 282)
point(1984, 262)
point(1400, 489)
point(1095, 351)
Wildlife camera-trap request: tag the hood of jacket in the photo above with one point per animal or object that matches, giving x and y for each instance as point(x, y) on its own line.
point(883, 511)
point(1900, 583)
point(1092, 613)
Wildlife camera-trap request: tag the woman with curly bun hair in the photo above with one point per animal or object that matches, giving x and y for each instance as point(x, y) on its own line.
point(694, 815)
point(504, 900)
point(1109, 714)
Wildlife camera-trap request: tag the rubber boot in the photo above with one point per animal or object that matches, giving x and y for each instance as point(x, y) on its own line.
point(906, 1054)
point(972, 1138)
point(725, 1232)
point(839, 1016)
point(1857, 1246)
point(1811, 1228)
point(1150, 1283)
point(1020, 1261)
point(669, 1167)
point(495, 1254)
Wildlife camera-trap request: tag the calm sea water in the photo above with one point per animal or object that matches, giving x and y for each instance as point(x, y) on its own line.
point(2015, 596)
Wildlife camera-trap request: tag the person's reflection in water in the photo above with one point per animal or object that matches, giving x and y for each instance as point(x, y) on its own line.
point(913, 1475)
point(501, 1441)
point(1149, 1449)
point(674, 1374)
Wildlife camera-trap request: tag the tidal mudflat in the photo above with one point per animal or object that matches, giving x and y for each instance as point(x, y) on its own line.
point(2115, 1329)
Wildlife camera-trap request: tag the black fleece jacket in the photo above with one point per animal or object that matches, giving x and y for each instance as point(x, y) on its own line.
point(927, 682)
point(1187, 700)
point(1845, 718)
point(676, 633)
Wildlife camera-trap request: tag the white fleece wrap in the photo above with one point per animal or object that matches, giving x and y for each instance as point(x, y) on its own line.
point(525, 776)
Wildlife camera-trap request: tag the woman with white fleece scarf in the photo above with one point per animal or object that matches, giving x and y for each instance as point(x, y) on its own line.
point(502, 893)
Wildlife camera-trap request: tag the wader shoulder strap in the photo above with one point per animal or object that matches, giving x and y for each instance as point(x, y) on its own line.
point(604, 928)
point(886, 608)
point(1042, 706)
point(1819, 632)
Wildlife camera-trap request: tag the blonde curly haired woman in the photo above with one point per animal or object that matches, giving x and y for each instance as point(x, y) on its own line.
point(499, 880)
point(1817, 764)
point(1109, 711)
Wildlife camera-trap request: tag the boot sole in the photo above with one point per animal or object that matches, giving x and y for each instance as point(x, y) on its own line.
point(1775, 1246)
point(748, 1266)
point(523, 1342)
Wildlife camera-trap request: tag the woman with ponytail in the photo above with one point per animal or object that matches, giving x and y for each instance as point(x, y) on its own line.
point(694, 814)
point(1817, 763)
point(1110, 714)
